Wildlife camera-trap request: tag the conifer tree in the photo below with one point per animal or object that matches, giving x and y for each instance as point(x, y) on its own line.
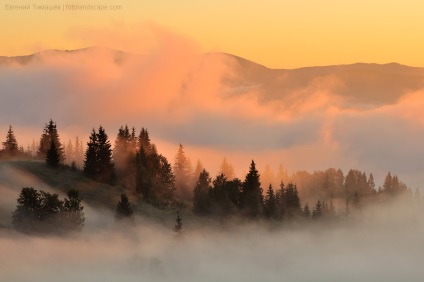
point(199, 168)
point(10, 146)
point(166, 179)
point(251, 199)
point(98, 162)
point(70, 152)
point(90, 162)
point(78, 152)
point(143, 175)
point(53, 156)
point(317, 212)
point(106, 171)
point(124, 209)
point(270, 202)
point(122, 148)
point(227, 169)
point(50, 133)
point(292, 201)
point(201, 204)
point(182, 172)
point(306, 211)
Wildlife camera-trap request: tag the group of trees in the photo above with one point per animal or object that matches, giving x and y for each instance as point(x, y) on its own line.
point(43, 212)
point(135, 164)
point(49, 148)
point(224, 197)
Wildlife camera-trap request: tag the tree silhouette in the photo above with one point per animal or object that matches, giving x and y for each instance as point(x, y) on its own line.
point(144, 175)
point(270, 204)
point(251, 199)
point(50, 133)
point(306, 211)
point(10, 146)
point(182, 172)
point(317, 212)
point(123, 209)
point(53, 156)
point(292, 201)
point(98, 162)
point(122, 148)
point(201, 204)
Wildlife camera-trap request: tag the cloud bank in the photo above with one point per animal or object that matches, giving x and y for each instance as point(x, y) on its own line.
point(184, 96)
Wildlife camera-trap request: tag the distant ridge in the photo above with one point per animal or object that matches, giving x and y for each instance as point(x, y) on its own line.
point(360, 83)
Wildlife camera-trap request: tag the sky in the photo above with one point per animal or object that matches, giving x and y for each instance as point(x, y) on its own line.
point(277, 34)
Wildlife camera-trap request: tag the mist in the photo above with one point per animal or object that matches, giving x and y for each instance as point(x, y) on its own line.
point(371, 249)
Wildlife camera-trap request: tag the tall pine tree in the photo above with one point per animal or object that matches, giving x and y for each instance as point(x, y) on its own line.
point(10, 146)
point(50, 133)
point(98, 162)
point(251, 199)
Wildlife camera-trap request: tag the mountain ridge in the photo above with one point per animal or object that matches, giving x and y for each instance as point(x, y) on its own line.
point(360, 83)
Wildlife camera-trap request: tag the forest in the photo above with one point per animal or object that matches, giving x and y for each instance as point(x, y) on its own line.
point(134, 164)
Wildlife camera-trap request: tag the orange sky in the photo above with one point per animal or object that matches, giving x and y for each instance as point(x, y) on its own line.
point(276, 33)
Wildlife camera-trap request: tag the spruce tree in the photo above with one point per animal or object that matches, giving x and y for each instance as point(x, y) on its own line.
point(165, 179)
point(306, 211)
point(50, 133)
point(90, 161)
point(199, 168)
point(317, 212)
point(251, 199)
point(53, 156)
point(98, 162)
point(182, 172)
point(10, 146)
point(106, 172)
point(227, 169)
point(201, 201)
point(270, 203)
point(292, 201)
point(70, 152)
point(122, 148)
point(124, 209)
point(144, 183)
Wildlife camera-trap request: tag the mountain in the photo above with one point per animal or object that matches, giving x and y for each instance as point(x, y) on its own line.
point(361, 84)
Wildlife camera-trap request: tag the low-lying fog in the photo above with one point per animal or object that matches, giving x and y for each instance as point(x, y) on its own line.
point(242, 253)
point(386, 244)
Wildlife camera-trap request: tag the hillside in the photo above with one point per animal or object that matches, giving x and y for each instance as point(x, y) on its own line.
point(99, 199)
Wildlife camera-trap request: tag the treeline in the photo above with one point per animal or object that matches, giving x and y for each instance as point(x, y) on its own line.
point(135, 164)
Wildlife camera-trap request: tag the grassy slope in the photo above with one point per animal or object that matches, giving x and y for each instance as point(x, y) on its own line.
point(97, 195)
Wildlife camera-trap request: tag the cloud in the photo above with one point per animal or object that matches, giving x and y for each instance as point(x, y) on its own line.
point(182, 95)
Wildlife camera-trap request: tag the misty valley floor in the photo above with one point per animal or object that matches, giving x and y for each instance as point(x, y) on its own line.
point(359, 252)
